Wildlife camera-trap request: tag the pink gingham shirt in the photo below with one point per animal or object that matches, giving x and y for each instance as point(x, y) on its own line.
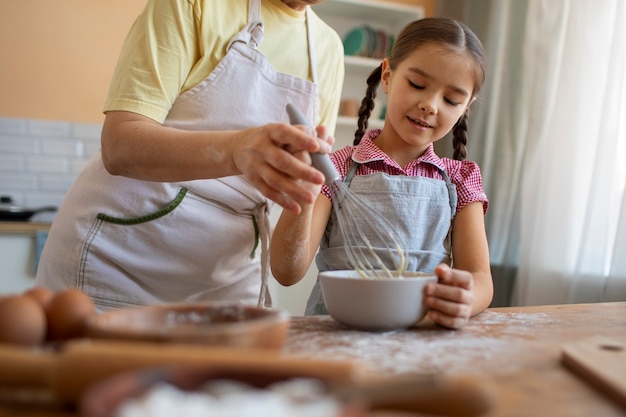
point(464, 174)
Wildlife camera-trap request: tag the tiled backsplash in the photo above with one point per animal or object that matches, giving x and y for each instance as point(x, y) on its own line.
point(39, 159)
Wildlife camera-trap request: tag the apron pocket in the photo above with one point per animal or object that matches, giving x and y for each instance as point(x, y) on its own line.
point(190, 246)
point(149, 217)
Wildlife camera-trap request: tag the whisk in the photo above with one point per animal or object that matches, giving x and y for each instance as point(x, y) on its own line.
point(367, 235)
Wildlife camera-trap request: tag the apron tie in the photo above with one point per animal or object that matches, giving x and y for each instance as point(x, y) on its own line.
point(261, 214)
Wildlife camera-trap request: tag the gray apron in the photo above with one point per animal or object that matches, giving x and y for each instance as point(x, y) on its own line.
point(420, 209)
point(128, 242)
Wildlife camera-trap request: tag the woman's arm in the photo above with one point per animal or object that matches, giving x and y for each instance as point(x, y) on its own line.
point(139, 147)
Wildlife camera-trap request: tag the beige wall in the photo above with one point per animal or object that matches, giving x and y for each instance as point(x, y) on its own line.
point(58, 56)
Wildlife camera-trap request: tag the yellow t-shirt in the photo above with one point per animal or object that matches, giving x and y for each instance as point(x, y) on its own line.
point(175, 44)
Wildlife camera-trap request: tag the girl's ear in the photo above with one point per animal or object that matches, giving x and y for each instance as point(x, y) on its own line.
point(385, 76)
point(467, 107)
point(469, 103)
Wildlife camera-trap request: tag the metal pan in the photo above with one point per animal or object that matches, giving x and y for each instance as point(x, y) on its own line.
point(15, 213)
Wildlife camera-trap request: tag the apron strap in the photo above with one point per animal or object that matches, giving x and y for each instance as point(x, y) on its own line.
point(252, 33)
point(312, 59)
point(261, 214)
point(255, 23)
point(451, 189)
point(351, 172)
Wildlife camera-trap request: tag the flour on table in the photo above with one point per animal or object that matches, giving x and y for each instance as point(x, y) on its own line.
point(297, 397)
point(420, 350)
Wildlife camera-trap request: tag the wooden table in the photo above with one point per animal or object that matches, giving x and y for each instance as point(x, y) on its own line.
point(515, 351)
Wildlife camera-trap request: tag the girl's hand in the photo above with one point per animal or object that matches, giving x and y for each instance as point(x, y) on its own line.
point(450, 299)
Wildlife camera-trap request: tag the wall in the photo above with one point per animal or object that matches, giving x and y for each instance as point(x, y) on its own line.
point(59, 55)
point(39, 159)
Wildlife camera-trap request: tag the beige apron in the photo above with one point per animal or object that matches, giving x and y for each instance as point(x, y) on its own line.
point(128, 242)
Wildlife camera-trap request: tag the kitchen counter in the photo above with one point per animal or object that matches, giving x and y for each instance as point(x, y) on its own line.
point(21, 228)
point(514, 352)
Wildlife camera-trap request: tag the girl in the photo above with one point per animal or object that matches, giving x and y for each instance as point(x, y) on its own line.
point(432, 75)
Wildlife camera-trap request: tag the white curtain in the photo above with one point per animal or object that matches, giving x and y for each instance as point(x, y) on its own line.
point(572, 192)
point(549, 135)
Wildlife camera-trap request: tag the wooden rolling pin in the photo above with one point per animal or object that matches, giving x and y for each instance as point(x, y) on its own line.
point(79, 364)
point(414, 394)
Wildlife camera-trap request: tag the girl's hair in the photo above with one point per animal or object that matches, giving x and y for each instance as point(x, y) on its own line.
point(442, 30)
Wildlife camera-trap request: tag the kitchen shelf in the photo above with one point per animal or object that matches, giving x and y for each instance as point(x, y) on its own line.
point(377, 13)
point(359, 63)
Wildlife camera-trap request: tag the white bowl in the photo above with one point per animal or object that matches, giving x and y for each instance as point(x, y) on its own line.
point(375, 304)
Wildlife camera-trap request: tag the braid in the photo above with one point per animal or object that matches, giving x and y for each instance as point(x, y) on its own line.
point(459, 139)
point(367, 104)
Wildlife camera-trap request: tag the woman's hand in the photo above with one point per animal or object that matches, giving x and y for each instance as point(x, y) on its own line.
point(450, 298)
point(276, 160)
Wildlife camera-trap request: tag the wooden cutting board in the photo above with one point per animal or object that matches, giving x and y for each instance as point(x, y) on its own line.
point(601, 362)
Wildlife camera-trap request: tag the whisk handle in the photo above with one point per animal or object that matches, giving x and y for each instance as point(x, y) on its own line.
point(320, 161)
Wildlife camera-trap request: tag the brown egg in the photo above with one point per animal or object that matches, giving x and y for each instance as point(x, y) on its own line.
point(22, 321)
point(40, 294)
point(67, 313)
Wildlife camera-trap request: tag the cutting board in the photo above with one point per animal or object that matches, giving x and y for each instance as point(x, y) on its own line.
point(601, 362)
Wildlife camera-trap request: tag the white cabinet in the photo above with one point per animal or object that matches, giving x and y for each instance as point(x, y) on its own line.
point(20, 246)
point(346, 15)
point(17, 271)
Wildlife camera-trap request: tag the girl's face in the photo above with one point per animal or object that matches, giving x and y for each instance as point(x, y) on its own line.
point(427, 94)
